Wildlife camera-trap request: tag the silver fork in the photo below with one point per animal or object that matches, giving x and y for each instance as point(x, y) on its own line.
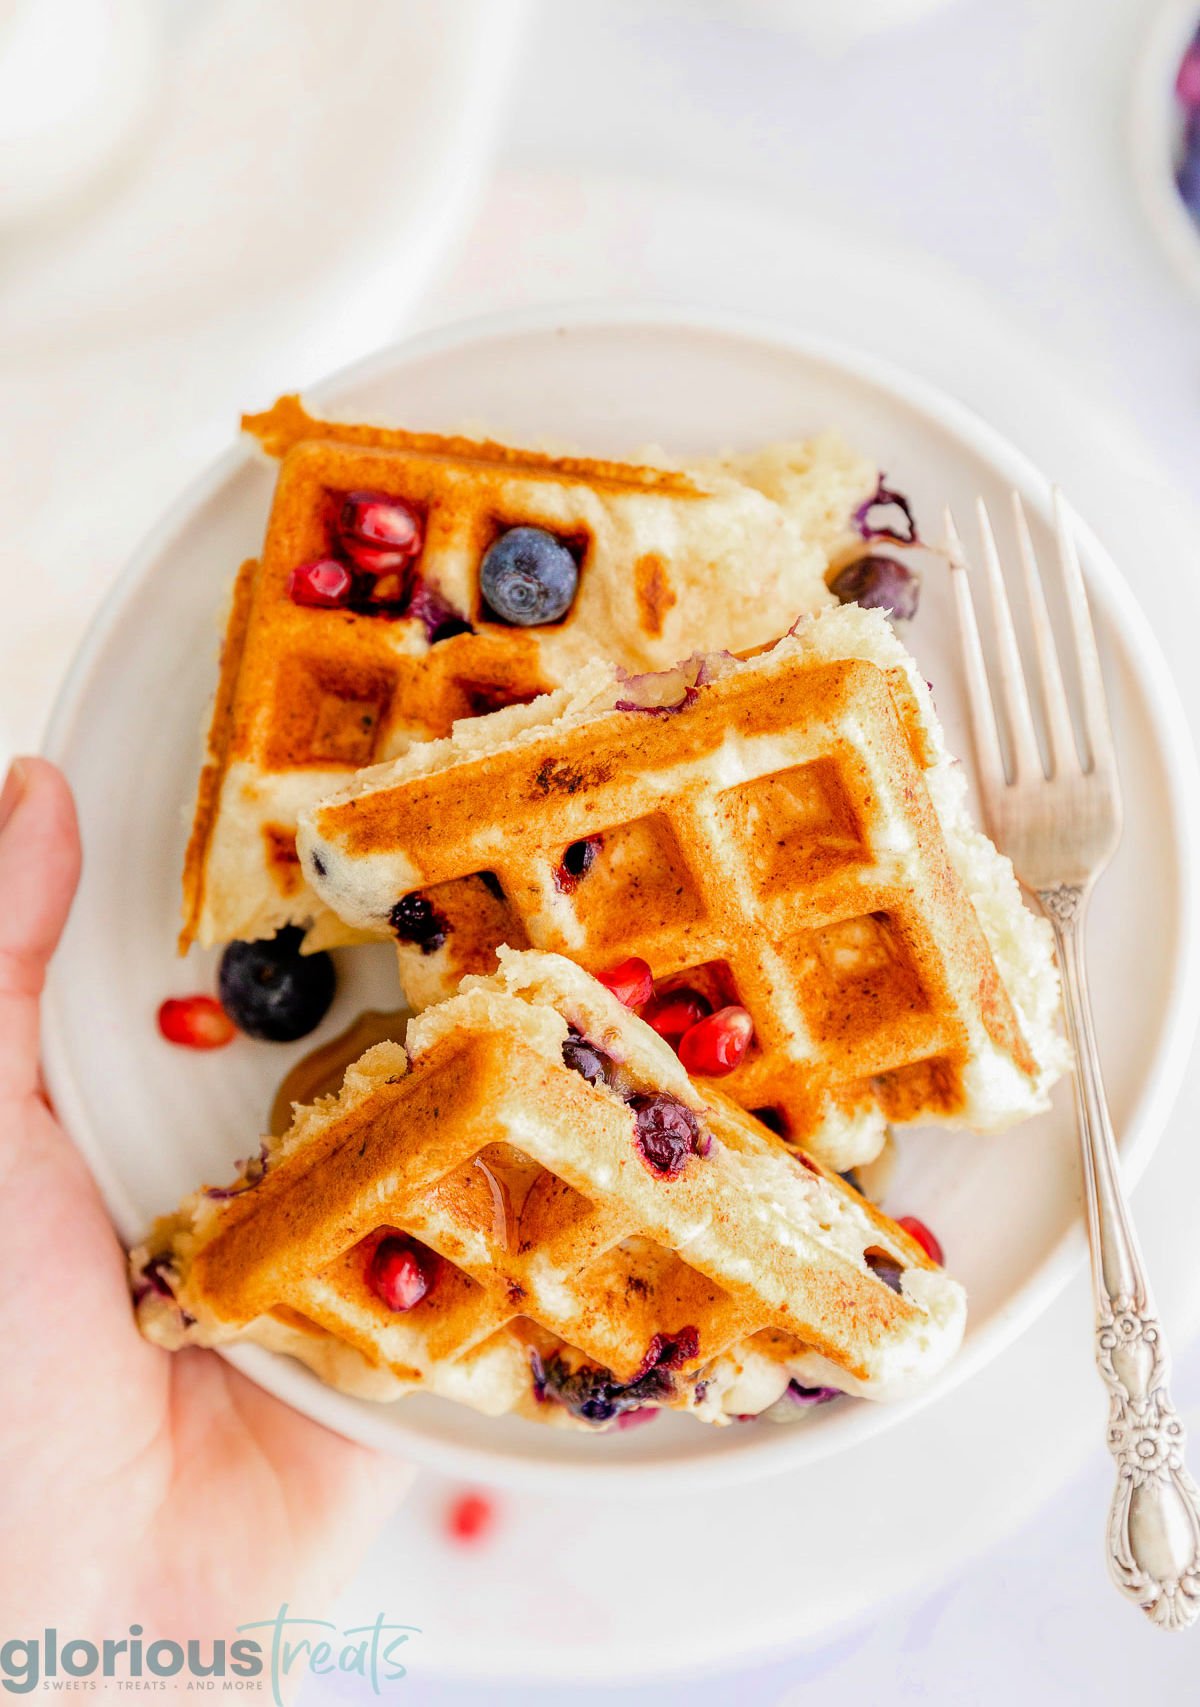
point(1060, 831)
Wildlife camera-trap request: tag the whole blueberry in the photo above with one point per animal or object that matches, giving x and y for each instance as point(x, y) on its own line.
point(528, 577)
point(272, 991)
point(878, 583)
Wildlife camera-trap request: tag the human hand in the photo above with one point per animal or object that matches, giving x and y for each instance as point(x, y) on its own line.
point(135, 1484)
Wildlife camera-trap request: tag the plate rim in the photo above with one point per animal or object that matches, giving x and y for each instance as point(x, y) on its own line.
point(782, 1450)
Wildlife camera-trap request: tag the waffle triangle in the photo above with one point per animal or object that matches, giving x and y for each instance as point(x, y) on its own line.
point(574, 1279)
point(763, 832)
point(669, 559)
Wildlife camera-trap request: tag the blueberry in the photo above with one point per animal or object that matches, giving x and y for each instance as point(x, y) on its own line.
point(580, 856)
point(440, 620)
point(160, 1276)
point(878, 583)
point(576, 862)
point(414, 919)
point(592, 1395)
point(800, 1395)
point(272, 991)
point(596, 1395)
point(585, 1058)
point(886, 1270)
point(529, 577)
point(772, 1119)
point(1187, 178)
point(666, 1132)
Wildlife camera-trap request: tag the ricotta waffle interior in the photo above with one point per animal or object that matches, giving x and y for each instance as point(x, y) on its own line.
point(760, 831)
point(668, 560)
point(574, 1279)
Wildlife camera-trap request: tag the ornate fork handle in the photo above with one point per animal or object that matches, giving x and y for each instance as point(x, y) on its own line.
point(1154, 1521)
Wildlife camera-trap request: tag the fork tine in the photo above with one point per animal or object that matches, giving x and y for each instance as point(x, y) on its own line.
point(1026, 754)
point(1054, 699)
point(1095, 702)
point(988, 756)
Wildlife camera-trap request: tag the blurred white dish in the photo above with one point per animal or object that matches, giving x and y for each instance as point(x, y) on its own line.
point(836, 28)
point(244, 248)
point(77, 84)
point(1156, 129)
point(271, 112)
point(154, 1120)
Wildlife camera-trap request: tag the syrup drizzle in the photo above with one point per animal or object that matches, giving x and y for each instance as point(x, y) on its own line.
point(501, 1204)
point(320, 1072)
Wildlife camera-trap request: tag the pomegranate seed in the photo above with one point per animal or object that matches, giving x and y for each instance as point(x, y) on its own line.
point(470, 1517)
point(716, 1045)
point(635, 1419)
point(374, 519)
point(378, 559)
point(1187, 80)
point(400, 1272)
point(632, 982)
point(676, 1012)
point(576, 862)
point(325, 583)
point(920, 1232)
point(196, 1022)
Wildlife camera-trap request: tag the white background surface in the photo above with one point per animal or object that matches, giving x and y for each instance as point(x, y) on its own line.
point(653, 150)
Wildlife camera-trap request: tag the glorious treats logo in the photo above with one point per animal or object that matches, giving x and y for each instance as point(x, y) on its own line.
point(256, 1660)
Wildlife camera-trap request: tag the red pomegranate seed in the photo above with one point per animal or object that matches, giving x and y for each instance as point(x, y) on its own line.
point(635, 1419)
point(325, 583)
point(374, 519)
point(196, 1022)
point(470, 1517)
point(676, 1012)
point(920, 1232)
point(715, 1045)
point(632, 982)
point(378, 559)
point(399, 1272)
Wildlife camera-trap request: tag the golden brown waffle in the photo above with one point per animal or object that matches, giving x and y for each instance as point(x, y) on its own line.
point(771, 843)
point(668, 560)
point(575, 1279)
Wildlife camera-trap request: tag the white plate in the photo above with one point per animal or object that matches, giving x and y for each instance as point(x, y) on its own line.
point(154, 1120)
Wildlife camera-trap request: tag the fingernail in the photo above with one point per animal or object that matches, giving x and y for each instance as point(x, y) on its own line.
point(14, 788)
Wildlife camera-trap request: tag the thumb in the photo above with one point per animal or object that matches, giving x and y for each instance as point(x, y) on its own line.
point(39, 869)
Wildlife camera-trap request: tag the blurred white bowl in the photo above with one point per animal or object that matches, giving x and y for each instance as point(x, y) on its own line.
point(1157, 122)
point(77, 84)
point(833, 28)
